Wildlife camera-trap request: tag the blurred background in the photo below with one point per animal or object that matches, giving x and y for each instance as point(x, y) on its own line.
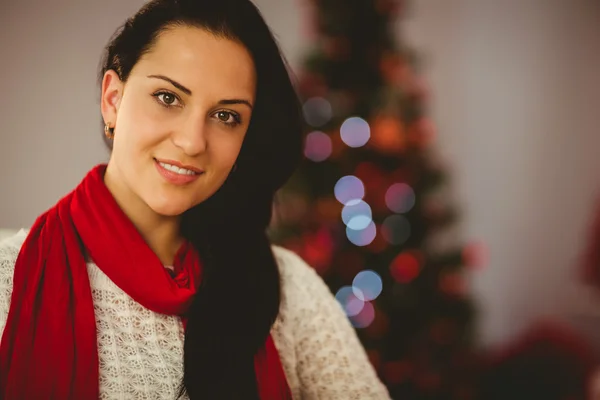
point(450, 191)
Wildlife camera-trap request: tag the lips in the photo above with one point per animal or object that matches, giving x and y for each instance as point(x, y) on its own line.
point(177, 166)
point(177, 175)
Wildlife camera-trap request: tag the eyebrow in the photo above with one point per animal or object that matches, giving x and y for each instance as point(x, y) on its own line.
point(189, 92)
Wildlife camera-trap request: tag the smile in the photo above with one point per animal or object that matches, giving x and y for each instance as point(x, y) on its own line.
point(176, 169)
point(177, 174)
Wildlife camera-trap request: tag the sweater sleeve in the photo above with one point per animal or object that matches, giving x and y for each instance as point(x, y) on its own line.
point(9, 250)
point(331, 363)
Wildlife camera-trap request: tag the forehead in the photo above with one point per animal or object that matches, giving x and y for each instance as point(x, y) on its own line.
point(200, 61)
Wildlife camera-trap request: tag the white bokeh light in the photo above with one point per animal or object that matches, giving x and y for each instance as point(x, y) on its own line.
point(362, 237)
point(357, 215)
point(355, 132)
point(351, 304)
point(349, 188)
point(367, 285)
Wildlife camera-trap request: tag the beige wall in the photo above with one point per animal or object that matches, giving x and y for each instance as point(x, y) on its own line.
point(517, 96)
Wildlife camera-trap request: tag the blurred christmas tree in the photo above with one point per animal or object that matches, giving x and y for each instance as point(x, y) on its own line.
point(366, 208)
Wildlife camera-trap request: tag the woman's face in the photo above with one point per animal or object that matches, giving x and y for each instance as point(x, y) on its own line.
point(180, 119)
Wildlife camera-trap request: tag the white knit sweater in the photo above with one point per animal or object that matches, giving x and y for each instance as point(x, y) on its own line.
point(141, 351)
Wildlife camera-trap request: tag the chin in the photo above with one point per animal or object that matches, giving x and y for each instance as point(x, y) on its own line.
point(172, 208)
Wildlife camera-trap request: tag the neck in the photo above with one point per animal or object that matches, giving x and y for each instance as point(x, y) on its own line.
point(160, 232)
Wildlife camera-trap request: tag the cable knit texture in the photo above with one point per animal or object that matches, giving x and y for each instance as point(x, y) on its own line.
point(141, 352)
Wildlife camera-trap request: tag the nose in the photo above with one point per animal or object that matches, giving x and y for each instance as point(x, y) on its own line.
point(191, 138)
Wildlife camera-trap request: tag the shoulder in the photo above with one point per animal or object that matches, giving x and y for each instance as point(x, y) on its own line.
point(320, 351)
point(304, 293)
point(289, 262)
point(296, 275)
point(9, 251)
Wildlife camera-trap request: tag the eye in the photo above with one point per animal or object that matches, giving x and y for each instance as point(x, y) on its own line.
point(166, 99)
point(228, 118)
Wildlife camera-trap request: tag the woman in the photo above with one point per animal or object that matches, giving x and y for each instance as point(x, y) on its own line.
point(154, 278)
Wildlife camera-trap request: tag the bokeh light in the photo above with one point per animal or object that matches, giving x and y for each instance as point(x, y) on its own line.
point(453, 284)
point(365, 317)
point(351, 304)
point(405, 267)
point(359, 222)
point(317, 111)
point(355, 132)
point(362, 237)
point(476, 255)
point(317, 146)
point(357, 215)
point(422, 132)
point(400, 198)
point(395, 229)
point(367, 285)
point(349, 188)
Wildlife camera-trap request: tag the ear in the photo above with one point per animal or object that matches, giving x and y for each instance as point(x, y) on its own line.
point(112, 91)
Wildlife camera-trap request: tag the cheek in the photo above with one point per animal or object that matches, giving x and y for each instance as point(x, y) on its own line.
point(139, 125)
point(225, 152)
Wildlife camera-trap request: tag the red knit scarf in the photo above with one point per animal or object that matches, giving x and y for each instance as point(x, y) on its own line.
point(49, 349)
